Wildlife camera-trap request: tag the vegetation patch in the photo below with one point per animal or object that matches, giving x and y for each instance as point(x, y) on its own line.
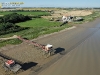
point(12, 41)
point(92, 16)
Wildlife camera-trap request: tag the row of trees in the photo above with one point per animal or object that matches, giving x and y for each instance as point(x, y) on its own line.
point(7, 23)
point(14, 18)
point(10, 28)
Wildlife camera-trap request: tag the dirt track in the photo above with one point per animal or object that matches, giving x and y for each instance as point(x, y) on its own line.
point(9, 38)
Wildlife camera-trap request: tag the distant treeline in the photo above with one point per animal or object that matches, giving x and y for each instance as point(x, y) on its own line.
point(27, 10)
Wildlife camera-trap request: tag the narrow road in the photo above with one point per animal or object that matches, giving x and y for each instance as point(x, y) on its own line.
point(82, 46)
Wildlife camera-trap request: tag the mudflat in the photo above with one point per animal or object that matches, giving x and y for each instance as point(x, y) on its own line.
point(83, 50)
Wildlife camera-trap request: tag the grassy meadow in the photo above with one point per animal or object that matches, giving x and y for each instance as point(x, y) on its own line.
point(39, 22)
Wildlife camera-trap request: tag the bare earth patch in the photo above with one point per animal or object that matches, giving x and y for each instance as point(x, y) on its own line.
point(79, 13)
point(25, 53)
point(60, 13)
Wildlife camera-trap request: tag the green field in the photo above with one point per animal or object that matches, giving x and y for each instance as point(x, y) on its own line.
point(35, 13)
point(39, 22)
point(40, 26)
point(37, 27)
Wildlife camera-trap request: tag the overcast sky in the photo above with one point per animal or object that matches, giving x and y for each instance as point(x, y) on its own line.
point(57, 3)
